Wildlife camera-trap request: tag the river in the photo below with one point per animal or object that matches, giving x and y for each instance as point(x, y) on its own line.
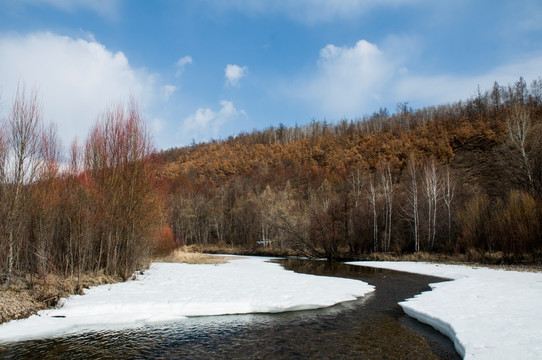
point(373, 327)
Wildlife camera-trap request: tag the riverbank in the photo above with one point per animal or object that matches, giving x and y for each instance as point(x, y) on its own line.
point(494, 260)
point(174, 291)
point(488, 313)
point(27, 295)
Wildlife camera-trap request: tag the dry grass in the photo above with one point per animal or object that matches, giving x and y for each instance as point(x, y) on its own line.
point(26, 296)
point(492, 260)
point(223, 248)
point(183, 255)
point(18, 304)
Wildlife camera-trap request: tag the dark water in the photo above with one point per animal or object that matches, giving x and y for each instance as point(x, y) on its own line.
point(373, 327)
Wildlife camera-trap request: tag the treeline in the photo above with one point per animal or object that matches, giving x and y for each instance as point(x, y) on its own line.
point(463, 177)
point(458, 178)
point(97, 211)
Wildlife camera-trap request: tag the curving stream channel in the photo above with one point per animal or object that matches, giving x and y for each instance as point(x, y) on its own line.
point(373, 327)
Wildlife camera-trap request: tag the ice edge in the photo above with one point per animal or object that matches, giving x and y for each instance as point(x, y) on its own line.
point(438, 324)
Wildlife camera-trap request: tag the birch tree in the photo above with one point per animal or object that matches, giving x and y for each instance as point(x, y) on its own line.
point(518, 125)
point(372, 201)
point(411, 210)
point(356, 185)
point(448, 193)
point(388, 192)
point(431, 181)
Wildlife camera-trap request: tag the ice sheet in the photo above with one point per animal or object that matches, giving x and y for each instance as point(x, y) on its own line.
point(489, 314)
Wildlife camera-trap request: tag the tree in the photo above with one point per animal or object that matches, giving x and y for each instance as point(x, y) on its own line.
point(4, 150)
point(411, 210)
point(372, 201)
point(117, 155)
point(21, 164)
point(44, 199)
point(474, 224)
point(448, 194)
point(515, 223)
point(432, 186)
point(388, 191)
point(356, 183)
point(518, 126)
point(79, 207)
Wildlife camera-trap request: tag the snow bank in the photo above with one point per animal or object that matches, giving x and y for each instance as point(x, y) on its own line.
point(489, 314)
point(172, 291)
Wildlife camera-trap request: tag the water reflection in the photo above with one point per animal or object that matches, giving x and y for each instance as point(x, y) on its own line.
point(373, 327)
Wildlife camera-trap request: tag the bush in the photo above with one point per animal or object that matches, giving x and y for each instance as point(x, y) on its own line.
point(163, 243)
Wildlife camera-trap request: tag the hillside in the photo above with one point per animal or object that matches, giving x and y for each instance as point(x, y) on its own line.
point(427, 179)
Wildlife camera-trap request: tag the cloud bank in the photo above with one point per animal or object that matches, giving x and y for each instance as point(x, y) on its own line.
point(349, 78)
point(205, 123)
point(350, 81)
point(76, 78)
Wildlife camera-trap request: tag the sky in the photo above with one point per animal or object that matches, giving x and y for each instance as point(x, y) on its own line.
point(210, 69)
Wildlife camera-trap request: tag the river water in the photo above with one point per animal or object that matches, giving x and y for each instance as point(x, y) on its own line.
point(373, 327)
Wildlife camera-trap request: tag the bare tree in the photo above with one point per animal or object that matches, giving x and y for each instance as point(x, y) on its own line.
point(412, 211)
point(21, 163)
point(432, 186)
point(3, 155)
point(518, 125)
point(117, 156)
point(3, 182)
point(448, 192)
point(388, 190)
point(44, 196)
point(356, 185)
point(372, 201)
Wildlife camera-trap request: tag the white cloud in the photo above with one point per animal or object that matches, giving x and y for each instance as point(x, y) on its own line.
point(446, 88)
point(181, 65)
point(348, 78)
point(205, 123)
point(77, 79)
point(234, 73)
point(353, 81)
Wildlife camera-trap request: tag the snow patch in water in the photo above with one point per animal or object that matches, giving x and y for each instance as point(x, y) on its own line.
point(488, 314)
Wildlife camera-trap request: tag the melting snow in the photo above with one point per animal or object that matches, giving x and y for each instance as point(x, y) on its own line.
point(172, 291)
point(489, 314)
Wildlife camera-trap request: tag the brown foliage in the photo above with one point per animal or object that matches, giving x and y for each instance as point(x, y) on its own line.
point(516, 224)
point(163, 242)
point(347, 183)
point(98, 215)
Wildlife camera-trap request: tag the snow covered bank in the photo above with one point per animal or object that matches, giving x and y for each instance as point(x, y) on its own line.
point(172, 291)
point(489, 314)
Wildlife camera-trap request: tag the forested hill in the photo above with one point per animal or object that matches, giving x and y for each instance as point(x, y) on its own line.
point(458, 177)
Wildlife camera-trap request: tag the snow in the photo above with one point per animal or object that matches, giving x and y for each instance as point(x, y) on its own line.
point(173, 291)
point(489, 314)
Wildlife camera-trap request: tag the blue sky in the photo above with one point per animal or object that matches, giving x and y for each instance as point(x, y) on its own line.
point(204, 69)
